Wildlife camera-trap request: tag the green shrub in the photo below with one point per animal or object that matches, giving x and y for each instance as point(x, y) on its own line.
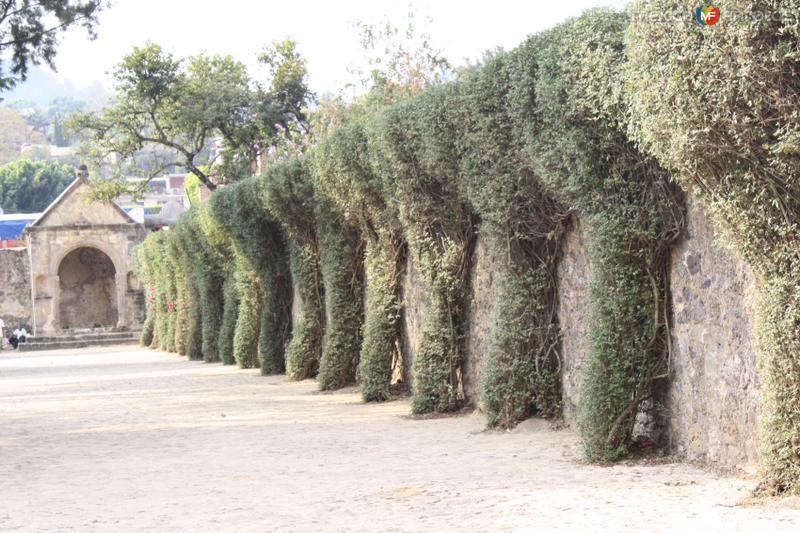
point(179, 315)
point(248, 324)
point(189, 314)
point(576, 134)
point(230, 314)
point(288, 194)
point(259, 251)
point(205, 280)
point(718, 106)
point(342, 266)
point(210, 277)
point(523, 228)
point(345, 174)
point(414, 141)
point(143, 270)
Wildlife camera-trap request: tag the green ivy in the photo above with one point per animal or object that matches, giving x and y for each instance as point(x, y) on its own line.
point(523, 227)
point(345, 174)
point(342, 266)
point(414, 142)
point(288, 194)
point(576, 134)
point(261, 275)
point(741, 158)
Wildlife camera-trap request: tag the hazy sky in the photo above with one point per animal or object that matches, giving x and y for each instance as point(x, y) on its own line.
point(323, 29)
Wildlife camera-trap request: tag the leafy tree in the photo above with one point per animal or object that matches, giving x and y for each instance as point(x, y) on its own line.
point(14, 133)
point(172, 110)
point(399, 61)
point(29, 32)
point(191, 185)
point(30, 186)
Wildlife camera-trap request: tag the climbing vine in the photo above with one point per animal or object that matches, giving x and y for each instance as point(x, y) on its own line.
point(414, 142)
point(576, 133)
point(261, 276)
point(742, 161)
point(596, 118)
point(346, 175)
point(523, 227)
point(220, 241)
point(288, 194)
point(342, 267)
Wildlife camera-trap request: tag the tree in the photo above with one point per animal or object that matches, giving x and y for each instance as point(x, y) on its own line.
point(398, 61)
point(171, 111)
point(30, 186)
point(29, 32)
point(14, 133)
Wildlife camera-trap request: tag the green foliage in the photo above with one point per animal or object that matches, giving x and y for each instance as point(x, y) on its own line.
point(168, 112)
point(177, 316)
point(342, 265)
point(248, 323)
point(29, 32)
point(30, 186)
point(220, 241)
point(239, 336)
point(188, 317)
point(522, 226)
point(143, 268)
point(578, 142)
point(191, 185)
point(148, 328)
point(288, 194)
point(151, 258)
point(518, 144)
point(258, 245)
point(344, 173)
point(741, 158)
point(206, 263)
point(230, 313)
point(414, 142)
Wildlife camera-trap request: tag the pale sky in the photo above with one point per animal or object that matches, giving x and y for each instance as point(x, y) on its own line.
point(323, 30)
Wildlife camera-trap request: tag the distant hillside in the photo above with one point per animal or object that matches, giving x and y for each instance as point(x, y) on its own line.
point(42, 87)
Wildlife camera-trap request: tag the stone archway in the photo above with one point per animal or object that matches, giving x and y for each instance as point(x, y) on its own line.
point(87, 289)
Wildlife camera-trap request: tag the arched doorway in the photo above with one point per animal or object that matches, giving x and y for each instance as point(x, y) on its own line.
point(87, 289)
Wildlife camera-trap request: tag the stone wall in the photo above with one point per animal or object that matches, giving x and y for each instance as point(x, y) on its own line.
point(483, 291)
point(416, 307)
point(713, 399)
point(15, 288)
point(572, 276)
point(296, 303)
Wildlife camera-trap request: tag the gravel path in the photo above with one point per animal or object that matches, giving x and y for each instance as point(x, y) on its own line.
point(124, 439)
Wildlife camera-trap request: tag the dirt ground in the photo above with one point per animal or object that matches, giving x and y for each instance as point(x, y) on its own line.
point(123, 439)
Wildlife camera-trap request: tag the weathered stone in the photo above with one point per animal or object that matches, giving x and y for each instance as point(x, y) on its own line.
point(416, 308)
point(89, 245)
point(88, 292)
point(483, 294)
point(15, 288)
point(713, 398)
point(572, 276)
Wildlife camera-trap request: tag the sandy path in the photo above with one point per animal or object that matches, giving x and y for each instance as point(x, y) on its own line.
point(125, 440)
